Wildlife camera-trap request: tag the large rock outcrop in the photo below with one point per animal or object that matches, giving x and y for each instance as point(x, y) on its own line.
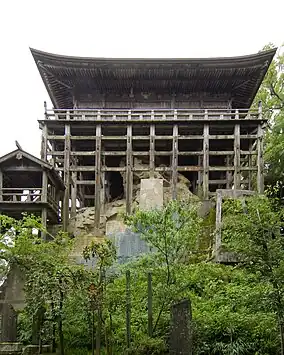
point(156, 192)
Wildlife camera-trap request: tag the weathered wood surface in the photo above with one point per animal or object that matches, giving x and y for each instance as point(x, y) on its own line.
point(213, 147)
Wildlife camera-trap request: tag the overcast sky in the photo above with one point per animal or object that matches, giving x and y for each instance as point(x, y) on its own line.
point(116, 28)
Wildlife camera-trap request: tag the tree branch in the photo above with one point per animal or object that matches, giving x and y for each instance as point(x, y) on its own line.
point(273, 92)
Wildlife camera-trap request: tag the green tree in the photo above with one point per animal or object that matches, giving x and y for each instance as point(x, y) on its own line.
point(254, 229)
point(48, 273)
point(271, 93)
point(104, 253)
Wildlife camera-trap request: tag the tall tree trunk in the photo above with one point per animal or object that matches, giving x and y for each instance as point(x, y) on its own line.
point(60, 327)
point(53, 329)
point(281, 330)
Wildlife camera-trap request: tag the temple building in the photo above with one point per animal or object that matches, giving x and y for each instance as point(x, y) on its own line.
point(119, 128)
point(114, 118)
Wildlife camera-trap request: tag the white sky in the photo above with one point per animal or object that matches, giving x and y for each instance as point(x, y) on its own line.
point(116, 28)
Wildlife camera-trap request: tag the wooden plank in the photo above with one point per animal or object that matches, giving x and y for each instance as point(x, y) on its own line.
point(67, 150)
point(90, 197)
point(199, 173)
point(1, 185)
point(228, 173)
point(146, 137)
point(22, 169)
point(260, 162)
point(44, 222)
point(141, 153)
point(98, 176)
point(73, 193)
point(174, 161)
point(152, 148)
point(111, 120)
point(205, 161)
point(237, 162)
point(250, 165)
point(129, 171)
point(44, 186)
point(81, 190)
point(43, 152)
point(218, 241)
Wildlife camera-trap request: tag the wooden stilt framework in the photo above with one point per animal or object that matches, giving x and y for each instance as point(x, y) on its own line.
point(213, 149)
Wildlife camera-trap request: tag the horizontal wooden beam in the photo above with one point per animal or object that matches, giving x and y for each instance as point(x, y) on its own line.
point(22, 169)
point(146, 153)
point(158, 137)
point(158, 119)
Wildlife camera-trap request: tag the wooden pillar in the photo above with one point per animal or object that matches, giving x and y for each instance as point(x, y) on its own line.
point(43, 153)
point(129, 168)
point(152, 147)
point(199, 173)
point(228, 173)
point(103, 192)
point(53, 158)
point(98, 175)
point(44, 222)
point(206, 158)
point(73, 193)
point(44, 187)
point(250, 166)
point(44, 199)
point(81, 191)
point(175, 162)
point(237, 157)
point(260, 163)
point(218, 222)
point(1, 185)
point(67, 151)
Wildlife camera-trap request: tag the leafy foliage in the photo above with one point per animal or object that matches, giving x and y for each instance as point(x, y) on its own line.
point(254, 229)
point(49, 275)
point(271, 93)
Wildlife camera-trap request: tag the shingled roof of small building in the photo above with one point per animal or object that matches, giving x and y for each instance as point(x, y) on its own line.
point(19, 153)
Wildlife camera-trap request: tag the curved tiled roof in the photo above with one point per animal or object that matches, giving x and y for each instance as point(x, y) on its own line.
point(239, 77)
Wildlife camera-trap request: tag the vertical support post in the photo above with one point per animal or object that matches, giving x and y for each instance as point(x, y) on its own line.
point(44, 222)
point(73, 193)
point(53, 158)
point(81, 191)
point(1, 185)
point(103, 192)
point(228, 173)
point(260, 164)
point(150, 306)
point(250, 166)
point(43, 152)
point(237, 157)
point(199, 173)
point(67, 150)
point(44, 200)
point(218, 222)
point(128, 309)
point(44, 187)
point(206, 158)
point(129, 167)
point(174, 158)
point(152, 147)
point(98, 175)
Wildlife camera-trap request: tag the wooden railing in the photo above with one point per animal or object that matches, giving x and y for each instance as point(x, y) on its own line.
point(20, 194)
point(26, 195)
point(150, 115)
